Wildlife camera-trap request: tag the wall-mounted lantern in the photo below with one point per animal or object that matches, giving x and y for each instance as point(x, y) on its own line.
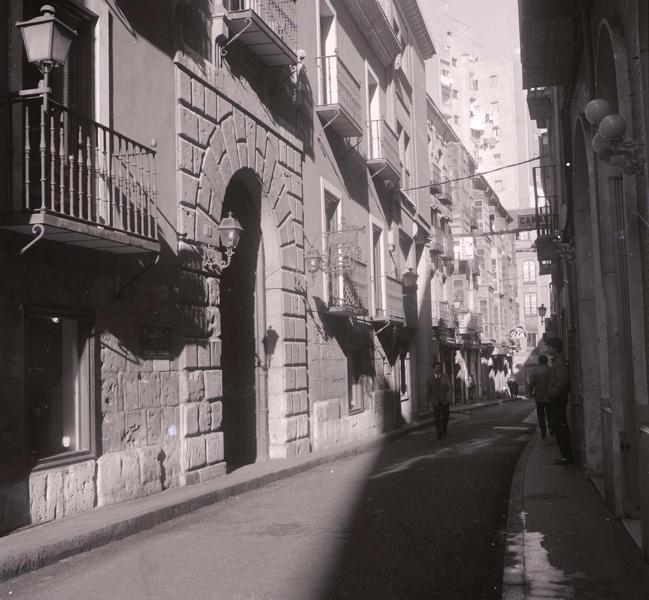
point(47, 42)
point(313, 260)
point(542, 310)
point(409, 279)
point(230, 231)
point(610, 143)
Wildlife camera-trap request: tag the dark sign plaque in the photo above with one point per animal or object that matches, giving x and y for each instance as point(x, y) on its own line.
point(155, 341)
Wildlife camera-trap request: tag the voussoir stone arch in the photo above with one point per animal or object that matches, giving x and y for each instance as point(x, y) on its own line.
point(218, 141)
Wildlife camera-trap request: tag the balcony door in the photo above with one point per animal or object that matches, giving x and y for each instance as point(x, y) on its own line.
point(377, 270)
point(373, 114)
point(327, 51)
point(332, 223)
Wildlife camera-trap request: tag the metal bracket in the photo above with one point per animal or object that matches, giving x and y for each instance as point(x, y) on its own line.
point(39, 231)
point(373, 175)
point(330, 121)
point(119, 295)
point(346, 152)
point(223, 50)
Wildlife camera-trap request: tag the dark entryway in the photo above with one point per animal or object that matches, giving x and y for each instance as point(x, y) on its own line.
point(239, 319)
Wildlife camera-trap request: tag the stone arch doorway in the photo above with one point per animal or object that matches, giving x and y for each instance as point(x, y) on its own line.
point(243, 322)
point(621, 274)
point(592, 365)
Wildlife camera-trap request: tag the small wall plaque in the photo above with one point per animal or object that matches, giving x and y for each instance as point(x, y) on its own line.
point(155, 341)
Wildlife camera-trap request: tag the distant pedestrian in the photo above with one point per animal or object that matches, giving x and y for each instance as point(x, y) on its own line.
point(512, 384)
point(539, 390)
point(439, 399)
point(558, 393)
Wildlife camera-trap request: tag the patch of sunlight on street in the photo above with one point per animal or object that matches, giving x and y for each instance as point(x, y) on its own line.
point(543, 580)
point(459, 449)
point(532, 563)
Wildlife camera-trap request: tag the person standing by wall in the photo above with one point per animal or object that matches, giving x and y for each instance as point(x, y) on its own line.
point(558, 393)
point(439, 399)
point(539, 389)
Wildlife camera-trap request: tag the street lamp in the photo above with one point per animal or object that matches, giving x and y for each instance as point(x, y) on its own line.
point(313, 259)
point(609, 141)
point(47, 42)
point(542, 311)
point(230, 231)
point(409, 279)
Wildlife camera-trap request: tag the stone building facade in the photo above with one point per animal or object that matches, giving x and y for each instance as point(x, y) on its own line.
point(592, 234)
point(141, 351)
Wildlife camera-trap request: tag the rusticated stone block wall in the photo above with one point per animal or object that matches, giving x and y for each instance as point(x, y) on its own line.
point(222, 131)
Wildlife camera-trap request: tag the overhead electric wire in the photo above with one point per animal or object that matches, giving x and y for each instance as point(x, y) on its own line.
point(523, 162)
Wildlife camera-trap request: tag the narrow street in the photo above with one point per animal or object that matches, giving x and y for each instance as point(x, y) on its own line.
point(417, 518)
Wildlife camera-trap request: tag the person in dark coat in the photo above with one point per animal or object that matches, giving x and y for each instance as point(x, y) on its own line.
point(539, 390)
point(558, 393)
point(439, 399)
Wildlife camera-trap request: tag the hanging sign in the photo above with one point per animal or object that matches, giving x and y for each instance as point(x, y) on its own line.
point(527, 221)
point(517, 333)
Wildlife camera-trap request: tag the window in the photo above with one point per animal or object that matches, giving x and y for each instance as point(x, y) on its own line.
point(405, 155)
point(531, 340)
point(445, 72)
point(456, 119)
point(332, 218)
point(454, 62)
point(359, 378)
point(529, 304)
point(493, 80)
point(529, 271)
point(494, 108)
point(498, 159)
point(498, 184)
point(455, 94)
point(404, 372)
point(405, 247)
point(377, 269)
point(474, 85)
point(58, 389)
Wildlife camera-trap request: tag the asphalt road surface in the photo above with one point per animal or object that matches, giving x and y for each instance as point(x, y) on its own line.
point(418, 518)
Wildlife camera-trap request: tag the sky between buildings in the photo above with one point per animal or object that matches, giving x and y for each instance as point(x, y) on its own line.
point(494, 22)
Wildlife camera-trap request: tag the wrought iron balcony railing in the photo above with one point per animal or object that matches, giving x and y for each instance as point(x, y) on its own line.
point(547, 221)
point(383, 150)
point(82, 177)
point(267, 27)
point(339, 104)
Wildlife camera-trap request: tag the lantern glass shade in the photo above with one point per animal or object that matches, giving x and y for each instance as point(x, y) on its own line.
point(47, 40)
point(612, 127)
point(230, 231)
point(542, 310)
point(313, 260)
point(600, 144)
point(596, 110)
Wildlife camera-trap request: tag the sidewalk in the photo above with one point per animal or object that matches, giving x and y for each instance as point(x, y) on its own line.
point(563, 542)
point(34, 547)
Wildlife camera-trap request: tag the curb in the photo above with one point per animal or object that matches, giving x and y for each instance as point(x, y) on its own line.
point(63, 538)
point(514, 580)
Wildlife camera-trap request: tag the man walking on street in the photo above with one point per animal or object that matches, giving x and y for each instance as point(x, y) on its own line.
point(439, 398)
point(539, 388)
point(558, 393)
